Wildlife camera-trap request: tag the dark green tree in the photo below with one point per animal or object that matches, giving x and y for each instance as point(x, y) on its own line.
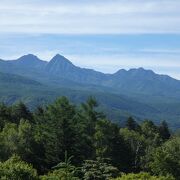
point(164, 131)
point(110, 144)
point(131, 124)
point(56, 131)
point(88, 116)
point(5, 115)
point(20, 111)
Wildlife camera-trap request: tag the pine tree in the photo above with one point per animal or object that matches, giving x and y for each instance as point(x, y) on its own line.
point(164, 130)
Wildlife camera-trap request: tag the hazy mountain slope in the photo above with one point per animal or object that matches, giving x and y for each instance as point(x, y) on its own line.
point(145, 82)
point(22, 86)
point(117, 107)
point(62, 67)
point(60, 72)
point(15, 88)
point(12, 79)
point(124, 82)
point(139, 92)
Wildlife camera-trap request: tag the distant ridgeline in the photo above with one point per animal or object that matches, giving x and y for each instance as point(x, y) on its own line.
point(138, 93)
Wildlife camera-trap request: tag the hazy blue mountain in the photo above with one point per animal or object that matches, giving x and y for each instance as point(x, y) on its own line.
point(59, 71)
point(139, 92)
point(28, 66)
point(62, 67)
point(145, 82)
point(15, 88)
point(139, 81)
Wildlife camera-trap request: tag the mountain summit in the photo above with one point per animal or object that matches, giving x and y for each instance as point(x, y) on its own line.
point(29, 57)
point(60, 59)
point(28, 61)
point(58, 65)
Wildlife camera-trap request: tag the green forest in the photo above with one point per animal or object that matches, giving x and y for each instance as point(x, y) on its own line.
point(63, 141)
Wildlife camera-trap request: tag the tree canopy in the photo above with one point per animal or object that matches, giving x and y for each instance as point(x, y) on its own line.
point(67, 141)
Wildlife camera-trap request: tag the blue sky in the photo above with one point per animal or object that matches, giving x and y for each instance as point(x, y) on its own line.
point(103, 35)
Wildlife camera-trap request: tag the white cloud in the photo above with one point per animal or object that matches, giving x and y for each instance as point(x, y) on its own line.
point(90, 17)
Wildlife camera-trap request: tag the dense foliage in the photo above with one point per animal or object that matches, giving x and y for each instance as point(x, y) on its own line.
point(68, 142)
point(143, 176)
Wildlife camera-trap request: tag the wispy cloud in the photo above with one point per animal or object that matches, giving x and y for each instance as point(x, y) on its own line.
point(90, 17)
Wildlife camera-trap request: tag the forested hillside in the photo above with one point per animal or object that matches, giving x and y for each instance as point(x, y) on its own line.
point(71, 142)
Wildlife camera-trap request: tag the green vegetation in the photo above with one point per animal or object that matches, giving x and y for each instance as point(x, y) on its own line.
point(14, 168)
point(143, 176)
point(71, 142)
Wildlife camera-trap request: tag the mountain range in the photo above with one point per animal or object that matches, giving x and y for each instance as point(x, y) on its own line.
point(137, 92)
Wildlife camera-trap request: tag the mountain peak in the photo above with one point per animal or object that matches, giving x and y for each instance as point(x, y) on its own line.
point(59, 64)
point(29, 57)
point(120, 71)
point(135, 72)
point(141, 71)
point(29, 61)
point(58, 56)
point(60, 59)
